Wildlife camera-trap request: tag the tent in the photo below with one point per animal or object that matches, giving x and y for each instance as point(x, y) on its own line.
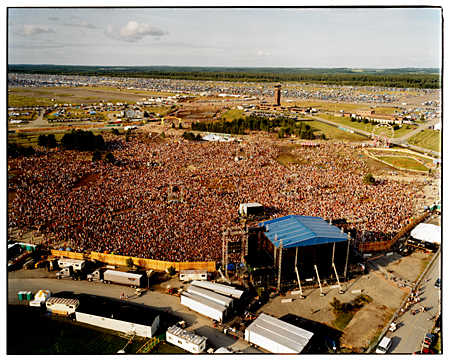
point(427, 232)
point(40, 297)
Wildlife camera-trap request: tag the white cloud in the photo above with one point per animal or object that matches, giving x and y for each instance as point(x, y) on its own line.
point(82, 24)
point(31, 30)
point(132, 32)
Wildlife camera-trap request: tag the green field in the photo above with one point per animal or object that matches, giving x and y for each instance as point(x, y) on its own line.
point(403, 162)
point(332, 132)
point(233, 114)
point(427, 139)
point(346, 122)
point(32, 334)
point(20, 101)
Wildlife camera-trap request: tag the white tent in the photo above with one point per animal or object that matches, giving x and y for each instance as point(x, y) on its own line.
point(427, 232)
point(41, 297)
point(438, 126)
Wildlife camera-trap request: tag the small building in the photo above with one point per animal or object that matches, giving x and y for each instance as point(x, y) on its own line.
point(61, 306)
point(203, 306)
point(250, 209)
point(277, 336)
point(117, 315)
point(186, 340)
point(219, 288)
point(211, 295)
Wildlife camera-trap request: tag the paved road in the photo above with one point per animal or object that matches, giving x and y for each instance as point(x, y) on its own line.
point(156, 300)
point(398, 141)
point(412, 328)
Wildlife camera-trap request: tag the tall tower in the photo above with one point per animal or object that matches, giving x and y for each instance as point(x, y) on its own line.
point(277, 99)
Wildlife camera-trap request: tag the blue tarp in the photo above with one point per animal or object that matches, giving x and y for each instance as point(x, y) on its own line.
point(296, 230)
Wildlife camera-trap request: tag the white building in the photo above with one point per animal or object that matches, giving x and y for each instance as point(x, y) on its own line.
point(186, 340)
point(277, 336)
point(122, 316)
point(61, 305)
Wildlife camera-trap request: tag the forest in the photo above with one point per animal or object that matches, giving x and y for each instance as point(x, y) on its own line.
point(425, 78)
point(282, 125)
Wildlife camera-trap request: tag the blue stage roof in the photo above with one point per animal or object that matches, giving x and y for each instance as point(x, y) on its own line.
point(296, 230)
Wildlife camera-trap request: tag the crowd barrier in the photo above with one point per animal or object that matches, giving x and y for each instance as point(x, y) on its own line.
point(120, 260)
point(386, 245)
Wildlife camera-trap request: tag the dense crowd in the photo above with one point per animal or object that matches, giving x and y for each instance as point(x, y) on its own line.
point(171, 200)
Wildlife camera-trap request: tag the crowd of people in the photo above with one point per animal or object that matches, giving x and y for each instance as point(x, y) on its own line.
point(171, 200)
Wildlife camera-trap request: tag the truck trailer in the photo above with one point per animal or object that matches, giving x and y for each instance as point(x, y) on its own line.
point(117, 277)
point(78, 265)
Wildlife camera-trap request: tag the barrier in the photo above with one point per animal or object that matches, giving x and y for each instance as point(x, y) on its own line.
point(385, 245)
point(121, 260)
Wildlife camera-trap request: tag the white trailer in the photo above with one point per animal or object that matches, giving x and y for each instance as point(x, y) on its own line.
point(277, 336)
point(186, 275)
point(203, 306)
point(186, 340)
point(117, 277)
point(78, 265)
point(219, 288)
point(211, 295)
point(61, 305)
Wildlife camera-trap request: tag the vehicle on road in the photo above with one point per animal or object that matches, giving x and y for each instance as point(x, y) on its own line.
point(69, 273)
point(437, 284)
point(428, 341)
point(384, 346)
point(117, 277)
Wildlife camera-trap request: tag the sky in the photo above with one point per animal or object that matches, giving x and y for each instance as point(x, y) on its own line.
point(329, 37)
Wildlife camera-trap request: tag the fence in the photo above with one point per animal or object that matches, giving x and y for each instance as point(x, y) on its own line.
point(385, 245)
point(121, 260)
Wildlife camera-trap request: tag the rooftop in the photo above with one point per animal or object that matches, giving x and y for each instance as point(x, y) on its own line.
point(296, 230)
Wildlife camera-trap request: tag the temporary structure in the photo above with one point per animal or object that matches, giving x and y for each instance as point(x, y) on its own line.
point(427, 232)
point(40, 297)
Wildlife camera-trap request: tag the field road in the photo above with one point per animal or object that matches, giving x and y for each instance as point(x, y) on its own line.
point(398, 141)
point(411, 329)
point(157, 300)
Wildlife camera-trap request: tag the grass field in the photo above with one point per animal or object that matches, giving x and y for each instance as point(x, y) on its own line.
point(15, 100)
point(332, 132)
point(345, 121)
point(233, 114)
point(403, 162)
point(427, 139)
point(32, 334)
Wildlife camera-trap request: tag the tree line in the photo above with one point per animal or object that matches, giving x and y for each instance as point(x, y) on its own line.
point(282, 125)
point(397, 78)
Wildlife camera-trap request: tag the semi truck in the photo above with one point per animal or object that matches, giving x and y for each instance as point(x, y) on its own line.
point(69, 273)
point(117, 277)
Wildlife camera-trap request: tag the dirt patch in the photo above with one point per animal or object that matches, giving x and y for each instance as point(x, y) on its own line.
point(188, 167)
point(377, 166)
point(87, 180)
point(358, 332)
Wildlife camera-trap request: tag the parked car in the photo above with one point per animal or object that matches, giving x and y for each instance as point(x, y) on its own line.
point(437, 284)
point(428, 341)
point(384, 346)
